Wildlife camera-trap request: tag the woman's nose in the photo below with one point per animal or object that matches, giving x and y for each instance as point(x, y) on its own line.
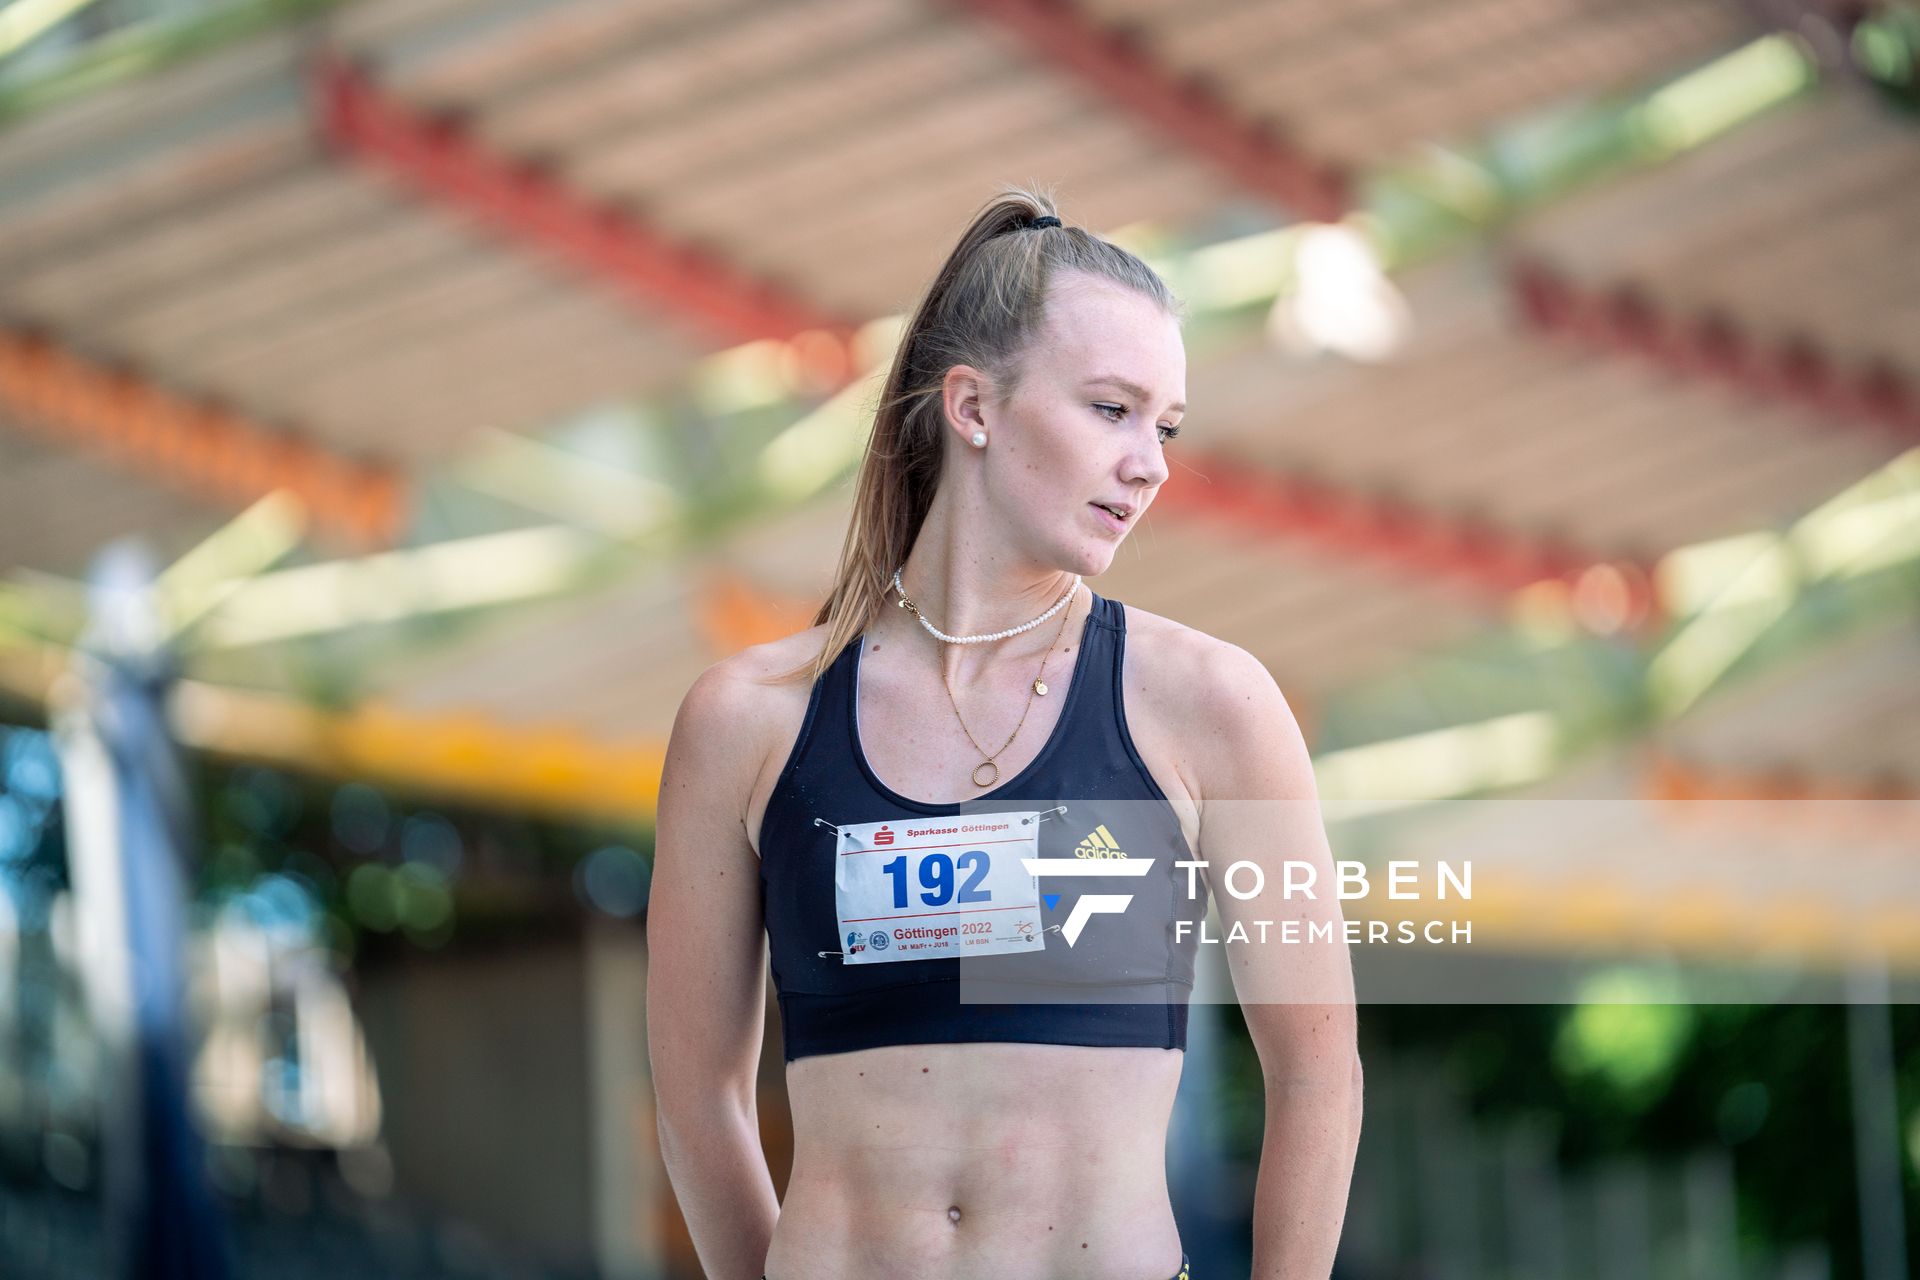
point(1147, 466)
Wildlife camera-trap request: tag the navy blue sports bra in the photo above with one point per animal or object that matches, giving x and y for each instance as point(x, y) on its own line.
point(1126, 979)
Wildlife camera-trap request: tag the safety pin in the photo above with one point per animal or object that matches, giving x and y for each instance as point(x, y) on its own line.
point(831, 953)
point(822, 822)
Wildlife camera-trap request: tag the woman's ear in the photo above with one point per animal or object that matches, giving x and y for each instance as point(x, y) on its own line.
point(963, 397)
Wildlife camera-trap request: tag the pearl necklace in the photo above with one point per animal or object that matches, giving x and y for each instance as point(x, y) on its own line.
point(938, 634)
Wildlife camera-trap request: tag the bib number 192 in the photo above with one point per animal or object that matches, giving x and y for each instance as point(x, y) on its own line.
point(937, 875)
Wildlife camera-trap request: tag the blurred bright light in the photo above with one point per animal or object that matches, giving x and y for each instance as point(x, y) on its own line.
point(1436, 765)
point(280, 1077)
point(1717, 573)
point(1876, 535)
point(1342, 300)
point(1707, 648)
point(1741, 586)
point(877, 340)
point(461, 573)
point(279, 904)
point(1457, 182)
point(23, 21)
point(1724, 93)
point(16, 833)
point(1542, 614)
point(1872, 524)
point(1608, 598)
point(196, 583)
point(814, 362)
point(1880, 49)
point(740, 378)
point(1240, 272)
point(281, 1040)
point(567, 485)
point(1627, 1030)
point(1733, 590)
point(813, 452)
point(124, 610)
point(28, 766)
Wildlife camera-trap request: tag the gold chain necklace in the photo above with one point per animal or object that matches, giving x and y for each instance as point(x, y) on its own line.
point(1038, 687)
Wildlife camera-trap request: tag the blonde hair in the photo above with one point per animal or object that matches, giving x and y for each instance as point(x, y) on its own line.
point(984, 304)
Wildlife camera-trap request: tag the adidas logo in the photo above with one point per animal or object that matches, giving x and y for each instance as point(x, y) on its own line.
point(1099, 844)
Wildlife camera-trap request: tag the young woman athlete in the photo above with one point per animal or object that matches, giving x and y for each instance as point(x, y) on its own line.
point(862, 796)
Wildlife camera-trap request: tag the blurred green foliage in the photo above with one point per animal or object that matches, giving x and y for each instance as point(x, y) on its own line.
point(1767, 1083)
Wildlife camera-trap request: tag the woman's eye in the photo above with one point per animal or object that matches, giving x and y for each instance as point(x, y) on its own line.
point(1115, 412)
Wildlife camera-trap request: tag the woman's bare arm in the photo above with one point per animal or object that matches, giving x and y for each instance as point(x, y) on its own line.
point(706, 987)
point(1260, 805)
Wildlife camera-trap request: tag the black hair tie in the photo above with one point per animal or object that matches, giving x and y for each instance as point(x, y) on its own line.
point(1045, 220)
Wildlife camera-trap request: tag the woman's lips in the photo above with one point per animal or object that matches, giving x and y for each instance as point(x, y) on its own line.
point(1114, 523)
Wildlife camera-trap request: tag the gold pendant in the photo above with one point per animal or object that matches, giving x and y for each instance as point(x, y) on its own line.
point(1040, 687)
point(991, 778)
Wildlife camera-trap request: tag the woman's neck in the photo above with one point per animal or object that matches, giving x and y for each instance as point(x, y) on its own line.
point(963, 598)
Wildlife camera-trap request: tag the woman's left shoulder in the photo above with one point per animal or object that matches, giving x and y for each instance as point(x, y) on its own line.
point(1183, 671)
point(1222, 713)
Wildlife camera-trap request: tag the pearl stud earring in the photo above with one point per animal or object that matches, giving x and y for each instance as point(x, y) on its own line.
point(979, 439)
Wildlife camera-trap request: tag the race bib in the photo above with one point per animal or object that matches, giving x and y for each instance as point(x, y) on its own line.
point(934, 887)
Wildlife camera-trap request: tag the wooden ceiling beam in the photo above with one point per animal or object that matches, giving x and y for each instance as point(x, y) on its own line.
point(1625, 319)
point(218, 454)
point(1404, 534)
point(439, 157)
point(1111, 63)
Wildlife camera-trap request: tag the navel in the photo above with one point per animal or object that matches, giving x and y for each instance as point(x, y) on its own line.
point(953, 1213)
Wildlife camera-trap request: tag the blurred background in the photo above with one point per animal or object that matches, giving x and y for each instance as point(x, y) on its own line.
point(402, 401)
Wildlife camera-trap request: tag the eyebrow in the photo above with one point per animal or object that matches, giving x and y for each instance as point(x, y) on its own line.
point(1133, 389)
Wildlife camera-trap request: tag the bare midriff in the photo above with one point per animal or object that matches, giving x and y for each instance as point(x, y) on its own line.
point(970, 1161)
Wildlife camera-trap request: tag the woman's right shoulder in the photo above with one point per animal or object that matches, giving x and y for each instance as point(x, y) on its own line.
point(741, 695)
point(738, 720)
point(752, 674)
